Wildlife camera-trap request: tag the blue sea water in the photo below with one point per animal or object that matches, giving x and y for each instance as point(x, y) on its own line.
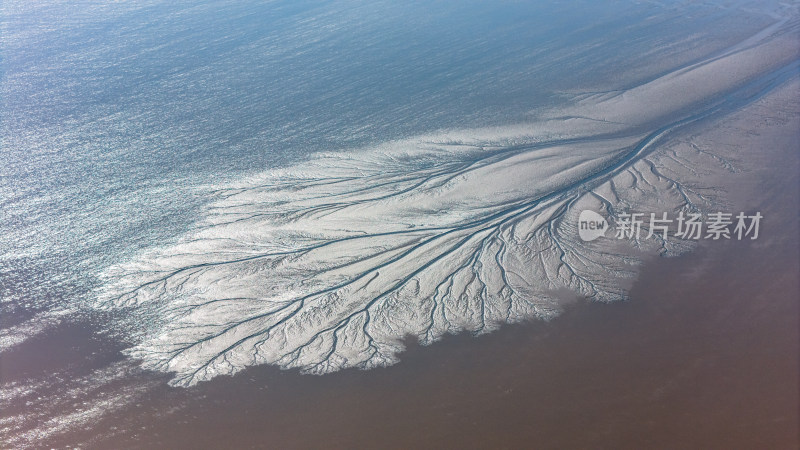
point(113, 113)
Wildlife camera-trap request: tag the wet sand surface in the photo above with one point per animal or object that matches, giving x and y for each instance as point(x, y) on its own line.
point(704, 355)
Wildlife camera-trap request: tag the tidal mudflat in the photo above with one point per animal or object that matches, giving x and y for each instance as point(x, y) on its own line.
point(182, 297)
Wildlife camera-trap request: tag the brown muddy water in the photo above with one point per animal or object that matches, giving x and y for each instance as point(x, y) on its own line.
point(703, 355)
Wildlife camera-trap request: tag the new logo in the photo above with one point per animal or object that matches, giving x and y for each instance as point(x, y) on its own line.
point(591, 225)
